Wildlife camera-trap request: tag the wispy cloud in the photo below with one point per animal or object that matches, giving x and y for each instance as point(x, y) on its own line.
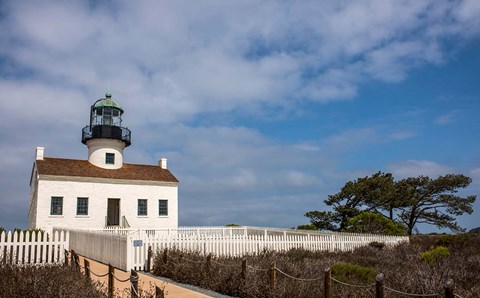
point(446, 118)
point(414, 168)
point(174, 64)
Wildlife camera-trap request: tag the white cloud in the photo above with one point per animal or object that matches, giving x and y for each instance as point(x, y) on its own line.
point(475, 174)
point(445, 118)
point(191, 59)
point(414, 168)
point(171, 64)
point(402, 135)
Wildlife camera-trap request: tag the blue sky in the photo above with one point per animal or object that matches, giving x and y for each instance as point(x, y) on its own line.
point(262, 108)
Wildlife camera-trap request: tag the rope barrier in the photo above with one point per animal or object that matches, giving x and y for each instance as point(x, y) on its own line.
point(257, 269)
point(135, 291)
point(410, 294)
point(349, 285)
point(226, 265)
point(98, 275)
point(121, 280)
point(297, 278)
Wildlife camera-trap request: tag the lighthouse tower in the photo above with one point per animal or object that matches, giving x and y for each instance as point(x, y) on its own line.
point(105, 137)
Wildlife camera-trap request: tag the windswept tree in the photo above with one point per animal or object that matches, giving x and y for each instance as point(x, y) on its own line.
point(376, 193)
point(434, 201)
point(409, 201)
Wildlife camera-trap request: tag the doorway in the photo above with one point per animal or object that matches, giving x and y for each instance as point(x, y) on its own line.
point(113, 212)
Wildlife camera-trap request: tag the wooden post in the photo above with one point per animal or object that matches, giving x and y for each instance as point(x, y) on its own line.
point(273, 275)
point(86, 264)
point(159, 292)
point(449, 289)
point(66, 257)
point(149, 258)
point(134, 281)
point(379, 286)
point(209, 262)
point(328, 283)
point(165, 255)
point(73, 259)
point(110, 280)
point(244, 269)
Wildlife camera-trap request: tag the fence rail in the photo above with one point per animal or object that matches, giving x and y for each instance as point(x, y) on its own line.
point(221, 241)
point(22, 248)
point(130, 246)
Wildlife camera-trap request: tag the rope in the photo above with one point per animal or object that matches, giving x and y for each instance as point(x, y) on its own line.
point(456, 295)
point(257, 269)
point(192, 261)
point(226, 265)
point(97, 275)
point(296, 278)
point(409, 294)
point(78, 264)
point(133, 288)
point(120, 280)
point(353, 286)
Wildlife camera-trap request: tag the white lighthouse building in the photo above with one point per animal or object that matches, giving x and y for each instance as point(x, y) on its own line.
point(102, 191)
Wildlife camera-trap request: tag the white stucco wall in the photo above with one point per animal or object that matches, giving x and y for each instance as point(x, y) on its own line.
point(97, 149)
point(98, 191)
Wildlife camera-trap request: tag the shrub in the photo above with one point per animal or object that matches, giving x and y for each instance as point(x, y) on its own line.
point(375, 223)
point(307, 227)
point(353, 273)
point(434, 255)
point(377, 245)
point(45, 281)
point(453, 241)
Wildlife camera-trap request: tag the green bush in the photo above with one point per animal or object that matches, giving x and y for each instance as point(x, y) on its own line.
point(375, 223)
point(307, 227)
point(353, 273)
point(434, 255)
point(453, 241)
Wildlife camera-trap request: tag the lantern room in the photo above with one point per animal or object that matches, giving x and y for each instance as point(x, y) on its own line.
point(106, 122)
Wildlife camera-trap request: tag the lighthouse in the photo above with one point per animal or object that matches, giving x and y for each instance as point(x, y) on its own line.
point(105, 136)
point(103, 191)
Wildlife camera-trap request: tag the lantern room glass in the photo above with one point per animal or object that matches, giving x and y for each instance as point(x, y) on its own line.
point(106, 116)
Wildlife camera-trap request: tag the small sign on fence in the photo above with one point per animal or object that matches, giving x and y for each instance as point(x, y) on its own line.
point(137, 243)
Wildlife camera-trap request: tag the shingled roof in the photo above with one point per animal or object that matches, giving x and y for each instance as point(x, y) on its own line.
point(83, 168)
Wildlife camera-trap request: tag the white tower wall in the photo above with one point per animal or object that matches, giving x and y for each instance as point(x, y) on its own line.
point(97, 149)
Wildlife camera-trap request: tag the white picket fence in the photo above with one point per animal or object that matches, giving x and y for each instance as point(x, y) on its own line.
point(23, 248)
point(221, 241)
point(128, 248)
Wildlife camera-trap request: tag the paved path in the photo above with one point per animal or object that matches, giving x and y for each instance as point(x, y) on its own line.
point(146, 282)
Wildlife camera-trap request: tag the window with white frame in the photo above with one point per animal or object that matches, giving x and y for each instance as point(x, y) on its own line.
point(162, 207)
point(110, 158)
point(82, 206)
point(142, 207)
point(56, 207)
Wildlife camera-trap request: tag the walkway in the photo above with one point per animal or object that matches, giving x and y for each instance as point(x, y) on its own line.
point(146, 283)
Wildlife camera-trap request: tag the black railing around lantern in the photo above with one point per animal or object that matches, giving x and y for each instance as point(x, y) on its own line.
point(108, 132)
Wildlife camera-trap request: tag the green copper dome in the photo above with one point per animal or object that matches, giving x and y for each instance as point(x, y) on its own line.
point(108, 101)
